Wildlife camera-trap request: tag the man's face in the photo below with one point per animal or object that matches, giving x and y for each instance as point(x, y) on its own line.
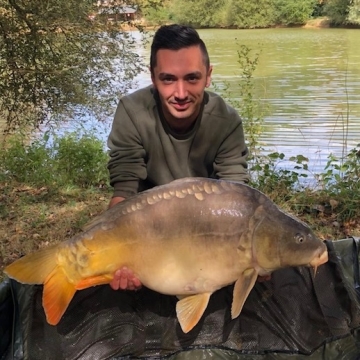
point(180, 76)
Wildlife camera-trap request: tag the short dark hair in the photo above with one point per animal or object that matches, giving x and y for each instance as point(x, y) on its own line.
point(176, 37)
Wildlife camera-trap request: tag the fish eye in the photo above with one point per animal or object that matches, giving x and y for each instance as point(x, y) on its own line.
point(299, 238)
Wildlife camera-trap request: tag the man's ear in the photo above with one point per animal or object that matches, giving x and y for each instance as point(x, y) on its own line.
point(208, 76)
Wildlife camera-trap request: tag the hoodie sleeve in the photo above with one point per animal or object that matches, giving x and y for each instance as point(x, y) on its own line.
point(127, 154)
point(231, 158)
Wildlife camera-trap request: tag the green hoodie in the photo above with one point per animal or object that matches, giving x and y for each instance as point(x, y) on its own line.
point(145, 152)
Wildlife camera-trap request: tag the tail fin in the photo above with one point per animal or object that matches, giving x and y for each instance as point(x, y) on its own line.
point(41, 268)
point(33, 268)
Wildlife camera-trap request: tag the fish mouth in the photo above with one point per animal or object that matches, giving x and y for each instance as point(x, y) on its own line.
point(319, 259)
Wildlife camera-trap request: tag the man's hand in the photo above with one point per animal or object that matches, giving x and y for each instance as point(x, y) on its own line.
point(262, 278)
point(125, 279)
point(115, 200)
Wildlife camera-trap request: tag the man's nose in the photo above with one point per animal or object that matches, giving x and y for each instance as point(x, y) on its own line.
point(180, 91)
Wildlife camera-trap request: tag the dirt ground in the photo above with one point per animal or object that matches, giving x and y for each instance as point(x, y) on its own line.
point(318, 23)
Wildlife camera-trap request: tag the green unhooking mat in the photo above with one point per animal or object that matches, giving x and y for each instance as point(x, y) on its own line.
point(294, 315)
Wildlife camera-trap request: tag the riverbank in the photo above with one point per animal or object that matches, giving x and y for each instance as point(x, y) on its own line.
point(321, 22)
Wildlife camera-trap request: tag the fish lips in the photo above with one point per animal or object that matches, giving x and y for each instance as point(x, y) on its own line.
point(320, 258)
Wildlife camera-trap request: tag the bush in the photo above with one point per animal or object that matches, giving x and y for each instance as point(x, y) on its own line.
point(294, 12)
point(69, 160)
point(27, 163)
point(81, 161)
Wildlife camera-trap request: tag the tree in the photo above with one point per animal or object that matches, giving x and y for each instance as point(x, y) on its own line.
point(250, 14)
point(337, 11)
point(55, 61)
point(198, 13)
point(155, 12)
point(294, 12)
point(354, 12)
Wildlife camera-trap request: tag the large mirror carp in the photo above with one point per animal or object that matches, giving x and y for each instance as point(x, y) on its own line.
point(188, 238)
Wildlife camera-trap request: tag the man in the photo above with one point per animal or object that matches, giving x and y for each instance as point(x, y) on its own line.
point(174, 128)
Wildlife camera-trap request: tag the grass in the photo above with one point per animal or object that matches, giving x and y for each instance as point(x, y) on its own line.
point(34, 217)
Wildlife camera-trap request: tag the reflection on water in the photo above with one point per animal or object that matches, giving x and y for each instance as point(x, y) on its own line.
point(310, 78)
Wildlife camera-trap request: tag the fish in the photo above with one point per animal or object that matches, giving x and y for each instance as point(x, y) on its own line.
point(188, 238)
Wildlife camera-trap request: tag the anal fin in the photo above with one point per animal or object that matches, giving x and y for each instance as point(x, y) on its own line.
point(242, 290)
point(57, 294)
point(190, 309)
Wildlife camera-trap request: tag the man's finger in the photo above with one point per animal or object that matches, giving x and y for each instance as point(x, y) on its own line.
point(136, 282)
point(114, 284)
point(123, 283)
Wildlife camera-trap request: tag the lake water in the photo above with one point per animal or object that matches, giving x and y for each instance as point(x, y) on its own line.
point(309, 78)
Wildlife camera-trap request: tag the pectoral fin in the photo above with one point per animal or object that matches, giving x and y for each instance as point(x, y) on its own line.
point(190, 309)
point(242, 289)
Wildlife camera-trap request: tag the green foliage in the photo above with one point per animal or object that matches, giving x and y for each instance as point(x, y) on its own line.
point(144, 5)
point(337, 11)
point(342, 174)
point(241, 13)
point(157, 15)
point(334, 200)
point(197, 13)
point(155, 12)
point(26, 163)
point(278, 181)
point(81, 160)
point(318, 9)
point(341, 183)
point(250, 14)
point(54, 61)
point(342, 12)
point(294, 12)
point(354, 12)
point(69, 160)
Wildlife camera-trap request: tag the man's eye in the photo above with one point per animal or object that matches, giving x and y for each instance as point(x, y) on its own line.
point(192, 79)
point(168, 80)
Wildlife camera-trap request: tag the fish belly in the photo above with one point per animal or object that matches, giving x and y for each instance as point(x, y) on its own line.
point(186, 270)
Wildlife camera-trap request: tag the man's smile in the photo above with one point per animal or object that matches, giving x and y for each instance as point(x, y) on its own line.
point(181, 105)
